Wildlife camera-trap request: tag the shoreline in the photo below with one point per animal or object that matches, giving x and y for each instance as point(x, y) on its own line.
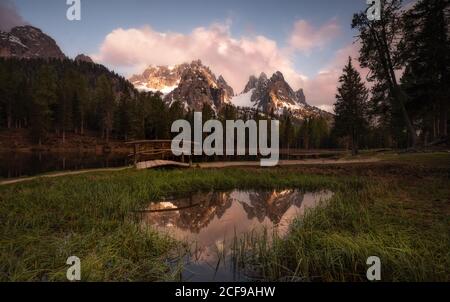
point(209, 165)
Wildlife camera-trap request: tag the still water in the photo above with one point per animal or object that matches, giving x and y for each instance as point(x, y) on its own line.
point(16, 164)
point(211, 222)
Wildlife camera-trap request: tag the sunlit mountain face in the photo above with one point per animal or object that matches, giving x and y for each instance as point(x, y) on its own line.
point(195, 84)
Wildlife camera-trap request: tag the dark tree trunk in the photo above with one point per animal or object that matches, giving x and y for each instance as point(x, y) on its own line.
point(396, 91)
point(9, 120)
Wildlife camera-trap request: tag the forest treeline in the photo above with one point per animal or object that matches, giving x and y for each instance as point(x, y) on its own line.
point(66, 96)
point(406, 54)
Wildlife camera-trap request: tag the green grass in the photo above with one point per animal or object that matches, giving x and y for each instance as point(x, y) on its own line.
point(434, 160)
point(403, 221)
point(332, 243)
point(45, 221)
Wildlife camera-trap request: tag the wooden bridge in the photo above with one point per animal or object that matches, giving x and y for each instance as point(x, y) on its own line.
point(149, 154)
point(160, 163)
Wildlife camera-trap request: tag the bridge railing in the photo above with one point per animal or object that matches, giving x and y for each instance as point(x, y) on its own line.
point(158, 148)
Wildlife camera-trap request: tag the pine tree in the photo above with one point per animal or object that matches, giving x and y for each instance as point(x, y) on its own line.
point(351, 106)
point(67, 97)
point(157, 120)
point(425, 50)
point(287, 130)
point(44, 96)
point(207, 112)
point(105, 105)
point(123, 118)
point(80, 103)
point(379, 52)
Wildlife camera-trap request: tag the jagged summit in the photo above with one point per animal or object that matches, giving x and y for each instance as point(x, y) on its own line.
point(274, 95)
point(228, 89)
point(269, 95)
point(198, 85)
point(251, 84)
point(159, 78)
point(193, 84)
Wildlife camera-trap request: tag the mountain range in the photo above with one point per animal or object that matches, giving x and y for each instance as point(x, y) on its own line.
point(192, 84)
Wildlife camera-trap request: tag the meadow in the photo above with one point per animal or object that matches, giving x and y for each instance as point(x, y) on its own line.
point(397, 209)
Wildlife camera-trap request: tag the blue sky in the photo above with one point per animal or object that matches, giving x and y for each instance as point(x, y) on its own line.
point(309, 41)
point(270, 18)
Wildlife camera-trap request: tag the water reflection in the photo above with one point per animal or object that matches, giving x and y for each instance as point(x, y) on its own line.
point(211, 221)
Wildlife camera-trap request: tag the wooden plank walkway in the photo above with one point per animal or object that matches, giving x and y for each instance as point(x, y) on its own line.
point(159, 163)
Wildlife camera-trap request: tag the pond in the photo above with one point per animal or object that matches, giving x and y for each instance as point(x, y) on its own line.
point(211, 221)
point(21, 164)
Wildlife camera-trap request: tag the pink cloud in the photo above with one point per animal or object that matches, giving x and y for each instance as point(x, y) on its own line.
point(305, 37)
point(235, 59)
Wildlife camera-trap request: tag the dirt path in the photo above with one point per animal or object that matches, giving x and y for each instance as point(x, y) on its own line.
point(205, 166)
point(287, 162)
point(59, 174)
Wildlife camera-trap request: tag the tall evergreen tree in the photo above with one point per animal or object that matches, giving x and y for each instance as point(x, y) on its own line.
point(351, 106)
point(287, 130)
point(45, 94)
point(80, 103)
point(105, 105)
point(67, 95)
point(425, 50)
point(379, 52)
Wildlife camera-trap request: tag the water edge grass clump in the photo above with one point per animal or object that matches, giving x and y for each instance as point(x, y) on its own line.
point(332, 243)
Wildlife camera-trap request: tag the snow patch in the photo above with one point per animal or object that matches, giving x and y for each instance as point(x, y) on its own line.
point(327, 108)
point(244, 99)
point(16, 40)
point(165, 90)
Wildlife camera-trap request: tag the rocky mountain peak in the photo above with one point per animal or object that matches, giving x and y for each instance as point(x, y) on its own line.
point(224, 85)
point(277, 76)
point(221, 80)
point(198, 85)
point(28, 42)
point(301, 96)
point(83, 58)
point(251, 84)
point(263, 76)
point(274, 95)
point(159, 78)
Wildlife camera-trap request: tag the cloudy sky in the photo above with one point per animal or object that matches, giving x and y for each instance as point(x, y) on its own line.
point(308, 41)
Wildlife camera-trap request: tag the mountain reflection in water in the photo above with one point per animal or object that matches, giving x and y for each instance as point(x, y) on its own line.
point(211, 221)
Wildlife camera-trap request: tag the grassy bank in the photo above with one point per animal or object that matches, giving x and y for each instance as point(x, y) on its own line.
point(375, 211)
point(404, 221)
